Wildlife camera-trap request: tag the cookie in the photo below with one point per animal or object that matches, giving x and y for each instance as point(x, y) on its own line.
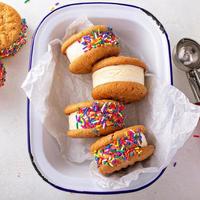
point(94, 118)
point(119, 78)
point(121, 149)
point(12, 31)
point(87, 47)
point(2, 74)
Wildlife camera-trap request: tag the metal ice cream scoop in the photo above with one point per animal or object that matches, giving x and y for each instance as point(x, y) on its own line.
point(186, 56)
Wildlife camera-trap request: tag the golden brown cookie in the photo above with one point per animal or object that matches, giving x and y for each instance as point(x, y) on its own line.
point(119, 78)
point(94, 118)
point(92, 132)
point(87, 47)
point(126, 92)
point(103, 141)
point(84, 63)
point(75, 107)
point(146, 153)
point(12, 31)
point(121, 149)
point(119, 60)
point(77, 36)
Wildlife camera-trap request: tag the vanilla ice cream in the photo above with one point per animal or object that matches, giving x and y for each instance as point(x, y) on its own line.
point(114, 73)
point(72, 121)
point(74, 51)
point(144, 141)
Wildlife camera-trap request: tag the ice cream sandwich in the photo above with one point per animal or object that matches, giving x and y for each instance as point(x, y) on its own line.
point(87, 47)
point(94, 118)
point(119, 78)
point(121, 149)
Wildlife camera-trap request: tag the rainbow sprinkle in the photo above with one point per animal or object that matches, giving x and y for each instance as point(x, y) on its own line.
point(121, 149)
point(100, 116)
point(16, 46)
point(174, 164)
point(2, 74)
point(196, 135)
point(98, 39)
point(54, 7)
point(26, 1)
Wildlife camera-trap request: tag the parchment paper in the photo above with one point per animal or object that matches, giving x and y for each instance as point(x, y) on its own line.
point(166, 112)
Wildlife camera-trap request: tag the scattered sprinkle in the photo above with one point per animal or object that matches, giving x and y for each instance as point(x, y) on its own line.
point(16, 46)
point(18, 174)
point(2, 74)
point(100, 115)
point(54, 6)
point(196, 135)
point(121, 149)
point(97, 39)
point(26, 1)
point(174, 164)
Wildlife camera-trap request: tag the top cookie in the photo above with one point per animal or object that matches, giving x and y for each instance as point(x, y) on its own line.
point(10, 26)
point(120, 60)
point(114, 136)
point(75, 107)
point(80, 34)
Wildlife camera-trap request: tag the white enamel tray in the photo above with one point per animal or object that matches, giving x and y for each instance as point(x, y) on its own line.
point(143, 32)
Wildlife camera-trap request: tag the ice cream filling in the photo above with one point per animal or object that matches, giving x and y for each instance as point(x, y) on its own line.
point(113, 73)
point(74, 51)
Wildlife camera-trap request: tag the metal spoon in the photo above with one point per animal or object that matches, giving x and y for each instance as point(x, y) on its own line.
point(186, 56)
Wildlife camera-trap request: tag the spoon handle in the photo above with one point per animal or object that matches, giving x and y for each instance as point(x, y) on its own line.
point(194, 87)
point(196, 74)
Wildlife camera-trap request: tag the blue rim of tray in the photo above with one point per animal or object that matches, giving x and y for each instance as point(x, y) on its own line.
point(28, 101)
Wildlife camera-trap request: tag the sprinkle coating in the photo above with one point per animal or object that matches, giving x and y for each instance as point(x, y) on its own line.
point(100, 116)
point(98, 39)
point(2, 74)
point(17, 45)
point(121, 149)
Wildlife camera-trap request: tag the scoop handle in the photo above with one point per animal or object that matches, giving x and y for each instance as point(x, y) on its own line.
point(193, 84)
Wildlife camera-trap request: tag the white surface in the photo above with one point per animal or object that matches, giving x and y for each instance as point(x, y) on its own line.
point(18, 180)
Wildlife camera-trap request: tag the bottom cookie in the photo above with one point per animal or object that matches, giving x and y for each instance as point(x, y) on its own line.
point(84, 63)
point(92, 132)
point(122, 91)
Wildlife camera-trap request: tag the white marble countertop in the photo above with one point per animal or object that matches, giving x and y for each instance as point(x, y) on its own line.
point(18, 179)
